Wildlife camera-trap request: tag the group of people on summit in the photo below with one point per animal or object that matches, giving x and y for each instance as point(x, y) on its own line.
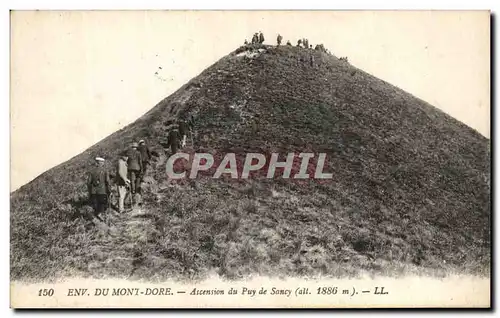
point(258, 38)
point(131, 168)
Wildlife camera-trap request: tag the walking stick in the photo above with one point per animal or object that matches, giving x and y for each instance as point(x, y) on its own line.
point(131, 195)
point(109, 199)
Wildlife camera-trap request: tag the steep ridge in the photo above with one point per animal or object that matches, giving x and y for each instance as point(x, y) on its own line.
point(410, 190)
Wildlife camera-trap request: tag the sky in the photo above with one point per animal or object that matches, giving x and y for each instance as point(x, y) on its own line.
point(78, 76)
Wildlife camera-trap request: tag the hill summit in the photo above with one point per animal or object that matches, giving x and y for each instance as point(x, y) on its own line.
point(410, 190)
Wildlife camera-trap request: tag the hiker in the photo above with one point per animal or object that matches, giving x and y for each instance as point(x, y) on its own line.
point(279, 39)
point(134, 163)
point(255, 38)
point(299, 42)
point(311, 60)
point(183, 131)
point(306, 43)
point(145, 155)
point(99, 187)
point(320, 47)
point(122, 181)
point(288, 43)
point(190, 121)
point(174, 139)
point(246, 42)
point(261, 37)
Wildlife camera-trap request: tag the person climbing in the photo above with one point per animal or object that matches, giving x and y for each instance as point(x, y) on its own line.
point(311, 60)
point(134, 163)
point(146, 157)
point(288, 43)
point(186, 127)
point(299, 42)
point(122, 181)
point(174, 139)
point(183, 131)
point(246, 42)
point(279, 39)
point(261, 37)
point(190, 121)
point(99, 187)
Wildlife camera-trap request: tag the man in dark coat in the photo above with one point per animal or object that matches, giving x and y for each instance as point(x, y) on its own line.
point(146, 156)
point(278, 39)
point(99, 187)
point(255, 38)
point(190, 121)
point(261, 38)
point(174, 139)
point(134, 167)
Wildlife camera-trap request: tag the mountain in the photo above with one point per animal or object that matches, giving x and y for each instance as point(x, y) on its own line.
point(410, 191)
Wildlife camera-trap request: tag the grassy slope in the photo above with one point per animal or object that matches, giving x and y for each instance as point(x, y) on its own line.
point(410, 190)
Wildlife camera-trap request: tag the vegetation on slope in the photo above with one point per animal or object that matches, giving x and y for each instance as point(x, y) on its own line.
point(410, 188)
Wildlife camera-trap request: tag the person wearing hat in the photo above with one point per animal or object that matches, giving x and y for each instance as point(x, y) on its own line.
point(146, 156)
point(134, 163)
point(122, 181)
point(99, 186)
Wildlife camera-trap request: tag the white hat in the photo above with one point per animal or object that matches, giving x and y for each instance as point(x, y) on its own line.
point(141, 141)
point(99, 159)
